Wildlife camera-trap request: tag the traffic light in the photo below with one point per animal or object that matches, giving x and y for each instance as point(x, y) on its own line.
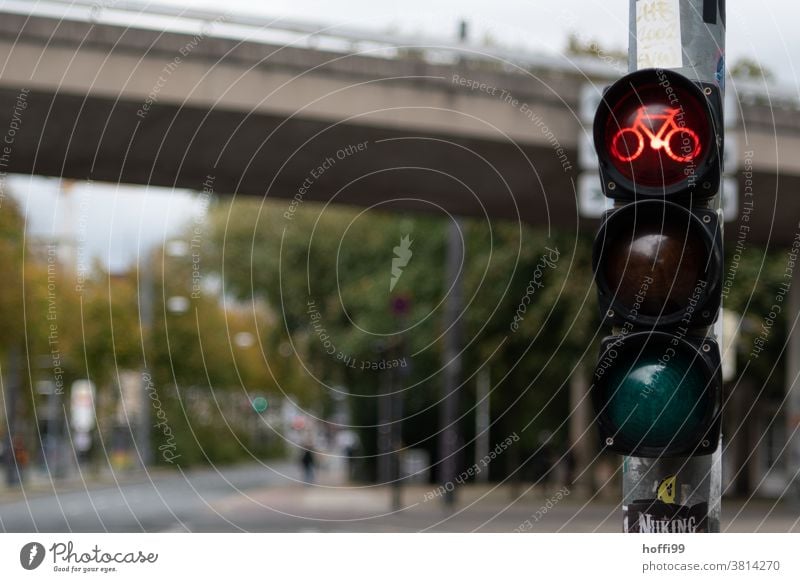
point(259, 404)
point(658, 265)
point(659, 135)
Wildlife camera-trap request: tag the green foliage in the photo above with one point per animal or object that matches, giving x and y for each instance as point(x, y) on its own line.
point(754, 276)
point(579, 46)
point(747, 68)
point(339, 261)
point(11, 265)
point(315, 294)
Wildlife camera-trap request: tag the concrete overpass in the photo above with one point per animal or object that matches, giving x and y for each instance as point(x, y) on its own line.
point(443, 128)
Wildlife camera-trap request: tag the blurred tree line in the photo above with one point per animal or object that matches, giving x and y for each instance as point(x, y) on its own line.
point(59, 327)
point(326, 274)
point(282, 284)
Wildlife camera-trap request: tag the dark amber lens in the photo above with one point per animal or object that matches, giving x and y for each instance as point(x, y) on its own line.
point(655, 261)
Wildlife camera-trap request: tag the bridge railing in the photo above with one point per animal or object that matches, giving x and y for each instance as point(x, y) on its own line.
point(348, 39)
point(299, 34)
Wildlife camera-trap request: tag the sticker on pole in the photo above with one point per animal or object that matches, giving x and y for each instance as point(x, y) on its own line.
point(663, 515)
point(658, 34)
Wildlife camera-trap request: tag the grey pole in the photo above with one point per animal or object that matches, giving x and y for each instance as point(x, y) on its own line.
point(792, 458)
point(454, 304)
point(384, 432)
point(396, 438)
point(580, 441)
point(13, 388)
point(146, 317)
point(482, 421)
point(692, 486)
point(448, 408)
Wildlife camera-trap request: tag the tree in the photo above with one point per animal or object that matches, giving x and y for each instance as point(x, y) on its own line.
point(327, 272)
point(747, 68)
point(12, 266)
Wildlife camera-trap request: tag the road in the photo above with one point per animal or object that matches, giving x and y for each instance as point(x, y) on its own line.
point(155, 502)
point(270, 499)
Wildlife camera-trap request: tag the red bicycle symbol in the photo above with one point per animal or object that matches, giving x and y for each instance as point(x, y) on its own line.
point(622, 142)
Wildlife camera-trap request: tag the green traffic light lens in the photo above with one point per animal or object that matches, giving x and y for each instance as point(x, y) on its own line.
point(659, 399)
point(259, 404)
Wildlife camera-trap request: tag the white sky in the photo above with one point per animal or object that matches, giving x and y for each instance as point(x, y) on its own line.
point(122, 219)
point(105, 221)
point(765, 31)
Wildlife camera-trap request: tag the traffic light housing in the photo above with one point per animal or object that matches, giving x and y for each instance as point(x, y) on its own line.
point(658, 135)
point(658, 265)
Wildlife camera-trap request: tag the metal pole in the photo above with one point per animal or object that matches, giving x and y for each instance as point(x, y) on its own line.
point(448, 409)
point(55, 434)
point(397, 440)
point(12, 390)
point(792, 461)
point(689, 489)
point(385, 424)
point(579, 455)
point(146, 310)
point(482, 419)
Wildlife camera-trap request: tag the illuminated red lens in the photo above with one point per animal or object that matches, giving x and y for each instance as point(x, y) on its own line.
point(658, 135)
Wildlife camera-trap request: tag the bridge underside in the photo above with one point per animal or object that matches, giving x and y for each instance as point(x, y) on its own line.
point(101, 139)
point(260, 155)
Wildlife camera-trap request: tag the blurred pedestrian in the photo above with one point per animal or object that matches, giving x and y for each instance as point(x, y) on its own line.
point(570, 463)
point(546, 461)
point(308, 461)
point(21, 456)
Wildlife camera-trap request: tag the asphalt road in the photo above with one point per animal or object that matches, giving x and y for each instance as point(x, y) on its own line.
point(155, 502)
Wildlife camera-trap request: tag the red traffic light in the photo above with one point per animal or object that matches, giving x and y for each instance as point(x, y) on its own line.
point(655, 136)
point(655, 127)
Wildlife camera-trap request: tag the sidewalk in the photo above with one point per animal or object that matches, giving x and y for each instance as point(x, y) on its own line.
point(39, 483)
point(273, 498)
point(332, 505)
point(478, 508)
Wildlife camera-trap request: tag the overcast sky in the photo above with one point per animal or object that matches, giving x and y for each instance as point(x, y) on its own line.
point(765, 31)
point(123, 220)
point(105, 221)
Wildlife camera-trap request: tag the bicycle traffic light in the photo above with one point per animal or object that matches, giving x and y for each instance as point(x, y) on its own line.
point(658, 134)
point(657, 260)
